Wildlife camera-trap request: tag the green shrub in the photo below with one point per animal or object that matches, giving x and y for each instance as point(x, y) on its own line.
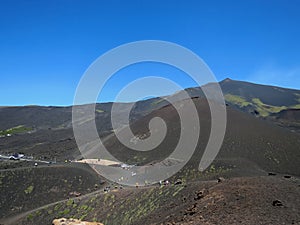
point(29, 189)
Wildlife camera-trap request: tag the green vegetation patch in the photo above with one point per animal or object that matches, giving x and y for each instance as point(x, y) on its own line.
point(64, 212)
point(15, 130)
point(29, 189)
point(264, 109)
point(296, 106)
point(237, 100)
point(70, 202)
point(30, 216)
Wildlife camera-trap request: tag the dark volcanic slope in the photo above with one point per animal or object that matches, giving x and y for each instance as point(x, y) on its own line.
point(259, 100)
point(289, 118)
point(43, 144)
point(49, 133)
point(252, 147)
point(260, 143)
point(237, 201)
point(270, 95)
point(35, 116)
point(234, 201)
point(292, 115)
point(249, 138)
point(23, 189)
point(42, 117)
point(39, 116)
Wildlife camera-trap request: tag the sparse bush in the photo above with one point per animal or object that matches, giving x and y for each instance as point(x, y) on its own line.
point(29, 189)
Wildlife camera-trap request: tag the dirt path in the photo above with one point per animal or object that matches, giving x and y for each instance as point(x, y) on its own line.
point(12, 220)
point(32, 167)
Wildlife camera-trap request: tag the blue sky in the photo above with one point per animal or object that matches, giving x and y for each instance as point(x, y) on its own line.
point(46, 46)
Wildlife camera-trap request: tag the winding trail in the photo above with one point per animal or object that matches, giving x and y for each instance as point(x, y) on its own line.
point(12, 220)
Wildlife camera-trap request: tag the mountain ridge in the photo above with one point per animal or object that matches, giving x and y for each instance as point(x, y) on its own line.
point(254, 147)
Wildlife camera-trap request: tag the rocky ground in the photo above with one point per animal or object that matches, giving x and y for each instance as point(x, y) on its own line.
point(252, 200)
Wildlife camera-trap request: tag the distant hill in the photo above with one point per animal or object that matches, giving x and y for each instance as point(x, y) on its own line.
point(261, 100)
point(47, 131)
point(267, 102)
point(251, 144)
point(269, 95)
point(257, 166)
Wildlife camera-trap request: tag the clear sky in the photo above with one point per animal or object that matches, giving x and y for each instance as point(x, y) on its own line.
point(46, 46)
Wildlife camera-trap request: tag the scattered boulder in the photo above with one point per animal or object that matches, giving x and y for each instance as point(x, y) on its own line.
point(277, 203)
point(64, 221)
point(74, 194)
point(200, 194)
point(287, 176)
point(106, 189)
point(255, 112)
point(221, 179)
point(178, 182)
point(191, 210)
point(271, 174)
